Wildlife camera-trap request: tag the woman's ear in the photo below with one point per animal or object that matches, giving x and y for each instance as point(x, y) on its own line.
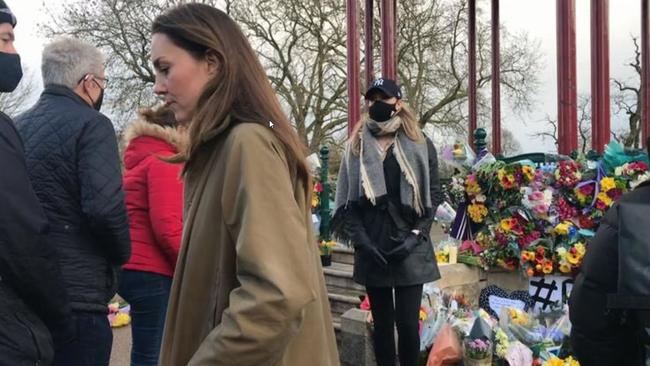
point(214, 62)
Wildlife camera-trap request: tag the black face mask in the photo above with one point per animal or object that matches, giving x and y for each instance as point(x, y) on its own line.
point(98, 103)
point(11, 73)
point(380, 111)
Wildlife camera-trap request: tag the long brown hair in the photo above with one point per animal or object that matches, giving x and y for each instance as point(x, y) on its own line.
point(241, 87)
point(409, 125)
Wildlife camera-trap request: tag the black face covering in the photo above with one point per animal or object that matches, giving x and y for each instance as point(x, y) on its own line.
point(11, 73)
point(98, 103)
point(380, 111)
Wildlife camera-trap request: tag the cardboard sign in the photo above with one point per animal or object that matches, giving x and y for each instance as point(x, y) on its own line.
point(548, 290)
point(497, 303)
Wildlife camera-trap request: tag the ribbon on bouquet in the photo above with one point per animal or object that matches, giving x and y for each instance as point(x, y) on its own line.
point(600, 173)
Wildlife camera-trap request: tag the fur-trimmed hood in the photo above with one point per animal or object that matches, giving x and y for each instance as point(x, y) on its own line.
point(143, 139)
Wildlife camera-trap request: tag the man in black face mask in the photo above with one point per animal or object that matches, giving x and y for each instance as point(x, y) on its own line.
point(73, 162)
point(34, 309)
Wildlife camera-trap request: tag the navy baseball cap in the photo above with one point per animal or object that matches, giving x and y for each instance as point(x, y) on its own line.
point(386, 86)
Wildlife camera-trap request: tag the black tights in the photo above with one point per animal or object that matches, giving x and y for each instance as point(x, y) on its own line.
point(405, 313)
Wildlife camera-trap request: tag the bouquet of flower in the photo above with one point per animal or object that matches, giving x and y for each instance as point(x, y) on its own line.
point(477, 352)
point(315, 195)
point(325, 246)
point(538, 259)
point(568, 173)
point(569, 260)
point(555, 361)
point(521, 325)
point(477, 209)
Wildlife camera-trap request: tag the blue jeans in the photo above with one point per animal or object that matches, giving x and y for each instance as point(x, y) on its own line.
point(91, 346)
point(147, 293)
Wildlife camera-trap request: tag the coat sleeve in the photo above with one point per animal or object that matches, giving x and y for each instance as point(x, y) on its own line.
point(424, 224)
point(596, 330)
point(165, 194)
point(102, 197)
point(28, 265)
point(274, 264)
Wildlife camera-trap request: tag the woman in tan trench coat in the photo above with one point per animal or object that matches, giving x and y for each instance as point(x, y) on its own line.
point(248, 287)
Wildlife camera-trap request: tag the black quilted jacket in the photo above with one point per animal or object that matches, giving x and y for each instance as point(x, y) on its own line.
point(34, 308)
point(73, 162)
point(600, 335)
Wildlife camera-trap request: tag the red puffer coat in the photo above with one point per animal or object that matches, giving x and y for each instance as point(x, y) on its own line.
point(154, 198)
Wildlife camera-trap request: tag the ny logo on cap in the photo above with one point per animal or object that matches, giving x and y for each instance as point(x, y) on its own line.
point(378, 82)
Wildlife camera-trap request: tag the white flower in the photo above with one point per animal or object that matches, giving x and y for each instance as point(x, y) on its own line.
point(640, 179)
point(619, 170)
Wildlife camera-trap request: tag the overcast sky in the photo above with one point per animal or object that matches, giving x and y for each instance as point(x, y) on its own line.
point(537, 17)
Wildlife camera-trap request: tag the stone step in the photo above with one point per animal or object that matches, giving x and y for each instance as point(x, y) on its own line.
point(341, 254)
point(340, 275)
point(342, 302)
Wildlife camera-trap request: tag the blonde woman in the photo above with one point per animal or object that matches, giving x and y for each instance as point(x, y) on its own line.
point(387, 194)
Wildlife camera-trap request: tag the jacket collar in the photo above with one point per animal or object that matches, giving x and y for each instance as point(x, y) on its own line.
point(60, 90)
point(140, 127)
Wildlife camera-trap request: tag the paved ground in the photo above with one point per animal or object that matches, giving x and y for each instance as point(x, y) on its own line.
point(121, 354)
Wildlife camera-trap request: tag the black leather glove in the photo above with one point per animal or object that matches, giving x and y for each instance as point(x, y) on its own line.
point(366, 247)
point(402, 251)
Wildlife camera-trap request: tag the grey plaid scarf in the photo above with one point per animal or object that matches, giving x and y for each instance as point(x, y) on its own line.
point(364, 173)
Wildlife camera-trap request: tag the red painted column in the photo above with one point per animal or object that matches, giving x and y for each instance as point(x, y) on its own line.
point(388, 60)
point(471, 14)
point(354, 91)
point(645, 69)
point(566, 76)
point(370, 56)
point(496, 79)
point(600, 103)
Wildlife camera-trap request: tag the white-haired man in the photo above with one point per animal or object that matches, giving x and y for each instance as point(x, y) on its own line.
point(73, 162)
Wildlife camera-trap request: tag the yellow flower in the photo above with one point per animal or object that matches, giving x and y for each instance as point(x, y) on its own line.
point(553, 361)
point(548, 267)
point(472, 188)
point(314, 200)
point(442, 258)
point(528, 171)
point(423, 315)
point(569, 361)
point(477, 212)
point(565, 268)
point(563, 228)
point(581, 249)
point(573, 258)
point(507, 224)
point(121, 319)
point(607, 183)
point(605, 198)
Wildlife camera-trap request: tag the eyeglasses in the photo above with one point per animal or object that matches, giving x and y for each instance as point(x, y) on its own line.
point(103, 84)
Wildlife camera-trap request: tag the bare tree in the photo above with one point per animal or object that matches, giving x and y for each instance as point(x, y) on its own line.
point(433, 58)
point(302, 45)
point(628, 101)
point(14, 103)
point(509, 144)
point(584, 126)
